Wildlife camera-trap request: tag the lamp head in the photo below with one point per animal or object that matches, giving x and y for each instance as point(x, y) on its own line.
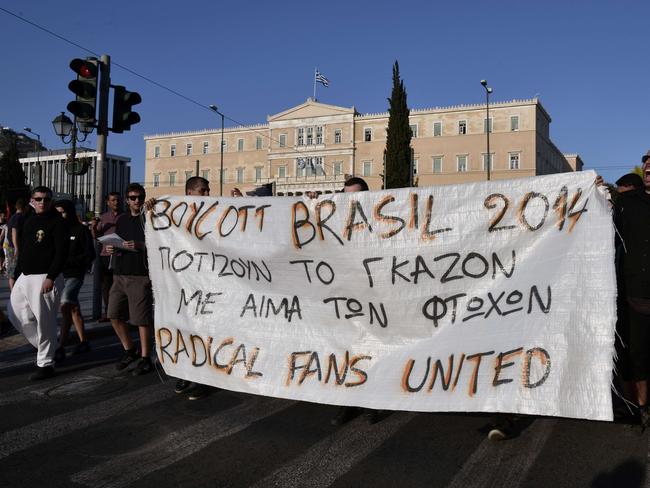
point(213, 107)
point(489, 90)
point(484, 83)
point(27, 129)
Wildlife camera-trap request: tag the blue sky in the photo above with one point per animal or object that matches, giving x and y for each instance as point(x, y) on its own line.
point(588, 61)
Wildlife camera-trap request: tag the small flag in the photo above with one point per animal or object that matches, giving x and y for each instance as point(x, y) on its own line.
point(321, 79)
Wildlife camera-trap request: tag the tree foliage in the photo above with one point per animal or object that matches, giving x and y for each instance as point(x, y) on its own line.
point(12, 177)
point(397, 155)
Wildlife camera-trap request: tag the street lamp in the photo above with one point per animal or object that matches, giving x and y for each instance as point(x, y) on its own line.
point(37, 168)
point(66, 128)
point(488, 126)
point(214, 109)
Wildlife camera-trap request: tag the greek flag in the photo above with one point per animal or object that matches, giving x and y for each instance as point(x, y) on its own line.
point(321, 79)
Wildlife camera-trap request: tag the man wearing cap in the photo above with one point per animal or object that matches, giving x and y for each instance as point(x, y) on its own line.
point(632, 214)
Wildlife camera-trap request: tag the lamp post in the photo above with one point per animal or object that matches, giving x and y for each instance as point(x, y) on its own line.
point(38, 170)
point(64, 127)
point(488, 125)
point(214, 109)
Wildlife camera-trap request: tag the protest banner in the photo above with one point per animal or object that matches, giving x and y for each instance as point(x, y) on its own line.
point(491, 296)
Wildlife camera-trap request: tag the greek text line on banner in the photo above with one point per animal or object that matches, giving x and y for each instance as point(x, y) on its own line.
point(493, 297)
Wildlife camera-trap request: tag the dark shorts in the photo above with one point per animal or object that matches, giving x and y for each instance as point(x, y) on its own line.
point(71, 289)
point(131, 299)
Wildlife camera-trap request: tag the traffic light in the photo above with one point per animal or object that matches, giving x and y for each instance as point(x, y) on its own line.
point(123, 115)
point(85, 89)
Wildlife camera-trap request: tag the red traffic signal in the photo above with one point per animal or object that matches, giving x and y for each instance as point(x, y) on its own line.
point(85, 89)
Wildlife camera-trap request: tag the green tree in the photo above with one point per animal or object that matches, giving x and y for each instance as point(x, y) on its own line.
point(397, 155)
point(12, 177)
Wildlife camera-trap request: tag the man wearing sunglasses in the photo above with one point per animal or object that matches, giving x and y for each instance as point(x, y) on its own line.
point(34, 301)
point(130, 298)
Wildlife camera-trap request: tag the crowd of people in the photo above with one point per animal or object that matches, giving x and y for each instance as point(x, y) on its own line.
point(47, 252)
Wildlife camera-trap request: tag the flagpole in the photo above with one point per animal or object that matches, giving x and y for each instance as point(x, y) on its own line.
point(315, 70)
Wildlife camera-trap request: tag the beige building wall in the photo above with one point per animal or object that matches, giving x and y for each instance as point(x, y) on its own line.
point(449, 146)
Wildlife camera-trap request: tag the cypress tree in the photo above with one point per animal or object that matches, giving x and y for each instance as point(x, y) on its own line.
point(397, 169)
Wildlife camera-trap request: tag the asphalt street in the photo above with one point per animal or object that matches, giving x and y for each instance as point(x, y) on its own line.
point(92, 426)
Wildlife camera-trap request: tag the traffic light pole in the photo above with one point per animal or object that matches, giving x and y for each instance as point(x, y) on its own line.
point(102, 134)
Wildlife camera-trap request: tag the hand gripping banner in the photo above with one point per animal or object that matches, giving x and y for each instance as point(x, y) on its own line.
point(492, 297)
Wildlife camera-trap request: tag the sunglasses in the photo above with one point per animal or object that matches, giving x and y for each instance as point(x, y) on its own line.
point(133, 198)
point(42, 199)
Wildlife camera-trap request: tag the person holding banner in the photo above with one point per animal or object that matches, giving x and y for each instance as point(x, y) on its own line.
point(130, 298)
point(632, 212)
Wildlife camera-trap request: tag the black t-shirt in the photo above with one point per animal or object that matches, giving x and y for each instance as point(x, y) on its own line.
point(43, 245)
point(16, 221)
point(130, 228)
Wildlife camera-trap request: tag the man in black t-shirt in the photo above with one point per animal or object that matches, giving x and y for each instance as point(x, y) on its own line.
point(35, 296)
point(130, 298)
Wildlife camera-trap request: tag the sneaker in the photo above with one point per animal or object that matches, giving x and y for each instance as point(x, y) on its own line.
point(81, 348)
point(182, 386)
point(344, 415)
point(198, 392)
point(42, 373)
point(59, 354)
point(144, 366)
point(130, 356)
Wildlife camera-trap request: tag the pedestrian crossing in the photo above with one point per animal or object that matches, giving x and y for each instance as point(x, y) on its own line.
point(140, 433)
point(91, 426)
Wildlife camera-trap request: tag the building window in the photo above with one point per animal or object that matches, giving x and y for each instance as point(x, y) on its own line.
point(205, 173)
point(188, 149)
point(437, 164)
point(367, 135)
point(258, 174)
point(240, 145)
point(514, 160)
point(367, 168)
point(461, 163)
point(206, 147)
point(437, 129)
point(414, 165)
point(462, 127)
point(318, 166)
point(487, 125)
point(172, 150)
point(487, 159)
point(240, 175)
point(301, 167)
point(172, 178)
point(156, 180)
point(188, 175)
point(156, 152)
point(283, 140)
point(319, 134)
point(224, 144)
point(338, 168)
point(301, 136)
point(310, 136)
point(223, 174)
point(337, 136)
point(514, 123)
point(282, 171)
point(414, 130)
point(258, 143)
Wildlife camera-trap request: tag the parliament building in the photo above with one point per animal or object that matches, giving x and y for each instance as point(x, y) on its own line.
point(316, 147)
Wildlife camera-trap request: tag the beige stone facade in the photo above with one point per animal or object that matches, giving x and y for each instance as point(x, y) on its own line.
point(332, 143)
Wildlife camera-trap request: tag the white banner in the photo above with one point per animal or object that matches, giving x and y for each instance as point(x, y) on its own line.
point(493, 296)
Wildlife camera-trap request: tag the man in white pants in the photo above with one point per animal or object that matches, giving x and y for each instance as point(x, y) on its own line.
point(35, 296)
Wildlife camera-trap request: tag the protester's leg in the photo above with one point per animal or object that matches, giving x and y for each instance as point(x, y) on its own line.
point(106, 280)
point(121, 329)
point(78, 321)
point(45, 307)
point(141, 313)
point(19, 312)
